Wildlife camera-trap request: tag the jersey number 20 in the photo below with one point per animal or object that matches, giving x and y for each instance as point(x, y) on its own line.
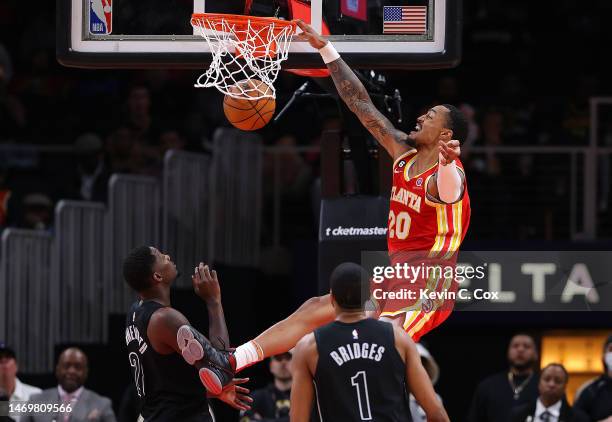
point(360, 382)
point(399, 226)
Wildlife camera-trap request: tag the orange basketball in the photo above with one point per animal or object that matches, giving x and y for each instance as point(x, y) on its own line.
point(247, 114)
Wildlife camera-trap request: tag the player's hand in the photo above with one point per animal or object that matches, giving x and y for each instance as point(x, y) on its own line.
point(449, 151)
point(235, 395)
point(206, 284)
point(310, 35)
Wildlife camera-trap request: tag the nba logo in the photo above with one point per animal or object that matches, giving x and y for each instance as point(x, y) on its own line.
point(100, 17)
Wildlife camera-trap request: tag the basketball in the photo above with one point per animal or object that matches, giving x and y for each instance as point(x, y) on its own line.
point(245, 113)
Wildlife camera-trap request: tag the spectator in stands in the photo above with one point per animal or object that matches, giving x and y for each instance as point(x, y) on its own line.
point(37, 211)
point(13, 388)
point(596, 398)
point(120, 149)
point(517, 108)
point(497, 395)
point(92, 171)
point(170, 139)
point(12, 112)
point(433, 370)
point(473, 130)
point(71, 372)
point(551, 405)
point(139, 119)
point(295, 174)
point(271, 404)
point(5, 196)
point(6, 64)
point(489, 176)
point(576, 116)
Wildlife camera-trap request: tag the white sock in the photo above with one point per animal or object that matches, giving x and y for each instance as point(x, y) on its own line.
point(248, 354)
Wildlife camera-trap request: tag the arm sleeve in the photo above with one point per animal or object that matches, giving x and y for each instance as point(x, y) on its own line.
point(449, 182)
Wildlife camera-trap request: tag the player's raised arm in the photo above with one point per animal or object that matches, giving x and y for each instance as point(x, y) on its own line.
point(418, 380)
point(206, 286)
point(354, 94)
point(302, 390)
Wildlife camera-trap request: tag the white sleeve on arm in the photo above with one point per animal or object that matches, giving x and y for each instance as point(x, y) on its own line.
point(329, 53)
point(449, 182)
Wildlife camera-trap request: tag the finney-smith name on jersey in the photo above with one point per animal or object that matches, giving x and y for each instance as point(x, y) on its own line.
point(132, 334)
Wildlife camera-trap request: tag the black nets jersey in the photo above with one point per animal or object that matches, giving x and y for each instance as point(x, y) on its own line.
point(360, 376)
point(169, 389)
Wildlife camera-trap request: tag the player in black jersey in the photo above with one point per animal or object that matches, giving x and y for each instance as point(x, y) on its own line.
point(361, 367)
point(160, 340)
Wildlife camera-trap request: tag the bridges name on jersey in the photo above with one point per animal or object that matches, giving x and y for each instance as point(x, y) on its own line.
point(352, 351)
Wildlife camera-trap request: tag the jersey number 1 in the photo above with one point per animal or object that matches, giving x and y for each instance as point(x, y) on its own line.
point(360, 382)
point(399, 226)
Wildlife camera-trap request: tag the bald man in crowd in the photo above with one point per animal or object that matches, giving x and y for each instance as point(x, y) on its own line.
point(71, 373)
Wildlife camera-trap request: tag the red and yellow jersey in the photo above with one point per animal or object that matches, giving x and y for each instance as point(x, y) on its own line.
point(417, 222)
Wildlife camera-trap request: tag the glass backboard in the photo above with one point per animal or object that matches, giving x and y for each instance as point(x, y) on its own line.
point(402, 34)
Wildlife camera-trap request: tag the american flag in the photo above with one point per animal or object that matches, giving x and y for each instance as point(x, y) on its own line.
point(404, 19)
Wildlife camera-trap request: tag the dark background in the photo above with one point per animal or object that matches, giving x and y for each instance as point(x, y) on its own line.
point(528, 70)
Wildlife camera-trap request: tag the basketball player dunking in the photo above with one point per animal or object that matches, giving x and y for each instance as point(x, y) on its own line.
point(360, 366)
point(428, 218)
point(156, 335)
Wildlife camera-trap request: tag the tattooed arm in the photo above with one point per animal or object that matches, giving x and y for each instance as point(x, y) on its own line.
point(354, 94)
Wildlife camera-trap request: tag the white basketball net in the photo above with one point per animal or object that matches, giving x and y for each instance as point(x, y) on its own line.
point(241, 52)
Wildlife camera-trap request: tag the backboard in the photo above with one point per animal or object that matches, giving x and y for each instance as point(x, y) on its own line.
point(400, 34)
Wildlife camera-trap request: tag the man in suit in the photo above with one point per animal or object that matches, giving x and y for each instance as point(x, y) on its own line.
point(86, 406)
point(10, 384)
point(551, 405)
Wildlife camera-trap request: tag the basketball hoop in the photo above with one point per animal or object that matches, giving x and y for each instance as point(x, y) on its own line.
point(243, 48)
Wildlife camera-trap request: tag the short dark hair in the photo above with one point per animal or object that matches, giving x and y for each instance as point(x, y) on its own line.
point(457, 122)
point(558, 365)
point(349, 286)
point(138, 268)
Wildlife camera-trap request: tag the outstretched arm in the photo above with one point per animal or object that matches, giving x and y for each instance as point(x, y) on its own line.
point(356, 97)
point(302, 388)
point(206, 286)
point(418, 380)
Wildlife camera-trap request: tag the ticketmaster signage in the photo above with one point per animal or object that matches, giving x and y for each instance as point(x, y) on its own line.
point(506, 280)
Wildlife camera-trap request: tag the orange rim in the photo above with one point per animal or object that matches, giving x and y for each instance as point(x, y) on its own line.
point(242, 21)
point(312, 73)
